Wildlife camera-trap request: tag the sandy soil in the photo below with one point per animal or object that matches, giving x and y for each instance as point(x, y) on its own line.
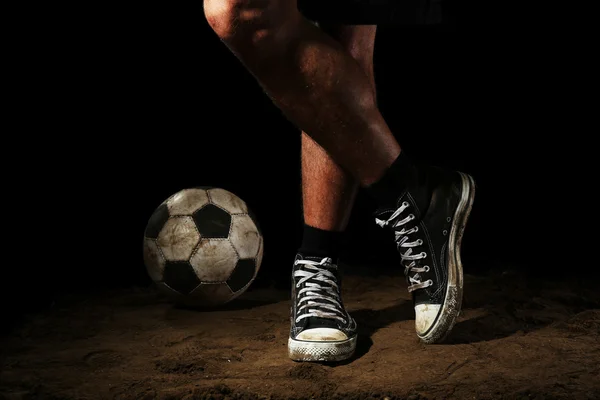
point(516, 339)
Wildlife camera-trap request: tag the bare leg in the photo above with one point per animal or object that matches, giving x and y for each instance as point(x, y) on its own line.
point(320, 173)
point(311, 78)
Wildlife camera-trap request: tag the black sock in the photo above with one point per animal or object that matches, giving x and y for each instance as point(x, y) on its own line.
point(388, 189)
point(321, 243)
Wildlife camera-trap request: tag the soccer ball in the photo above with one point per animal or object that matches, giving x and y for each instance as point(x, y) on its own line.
point(203, 246)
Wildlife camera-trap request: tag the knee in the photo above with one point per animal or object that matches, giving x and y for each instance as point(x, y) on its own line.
point(357, 40)
point(221, 16)
point(241, 22)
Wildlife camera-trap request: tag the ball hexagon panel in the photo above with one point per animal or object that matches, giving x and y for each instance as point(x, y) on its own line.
point(187, 201)
point(214, 260)
point(156, 222)
point(180, 276)
point(242, 274)
point(178, 238)
point(153, 259)
point(244, 236)
point(212, 293)
point(227, 201)
point(212, 222)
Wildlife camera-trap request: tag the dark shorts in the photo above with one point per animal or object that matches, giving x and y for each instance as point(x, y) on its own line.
point(373, 12)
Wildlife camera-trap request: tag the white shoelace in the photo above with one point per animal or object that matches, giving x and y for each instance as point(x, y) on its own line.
point(402, 242)
point(318, 296)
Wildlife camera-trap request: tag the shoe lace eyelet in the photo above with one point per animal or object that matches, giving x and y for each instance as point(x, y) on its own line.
point(416, 229)
point(430, 282)
point(405, 203)
point(427, 268)
point(448, 219)
point(411, 216)
point(423, 254)
point(445, 232)
point(420, 241)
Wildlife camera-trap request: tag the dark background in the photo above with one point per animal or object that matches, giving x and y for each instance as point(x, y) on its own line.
point(156, 103)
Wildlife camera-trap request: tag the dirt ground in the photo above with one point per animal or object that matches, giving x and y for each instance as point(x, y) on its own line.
point(516, 339)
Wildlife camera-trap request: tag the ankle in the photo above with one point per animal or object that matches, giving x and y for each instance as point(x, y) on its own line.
point(321, 243)
point(387, 190)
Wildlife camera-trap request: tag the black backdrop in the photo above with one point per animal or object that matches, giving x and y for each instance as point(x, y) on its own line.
point(156, 104)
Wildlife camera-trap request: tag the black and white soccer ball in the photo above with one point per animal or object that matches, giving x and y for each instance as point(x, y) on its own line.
point(203, 246)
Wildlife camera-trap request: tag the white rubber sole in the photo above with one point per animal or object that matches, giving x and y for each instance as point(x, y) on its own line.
point(330, 351)
point(451, 307)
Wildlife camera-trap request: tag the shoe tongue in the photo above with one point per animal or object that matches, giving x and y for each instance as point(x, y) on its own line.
point(327, 263)
point(386, 211)
point(318, 322)
point(330, 265)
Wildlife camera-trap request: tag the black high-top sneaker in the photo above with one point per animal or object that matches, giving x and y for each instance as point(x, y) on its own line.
point(321, 328)
point(428, 222)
